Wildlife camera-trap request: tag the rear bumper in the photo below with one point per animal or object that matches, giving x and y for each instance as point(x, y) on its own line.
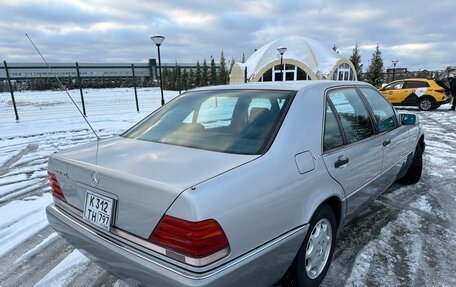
point(260, 267)
point(445, 101)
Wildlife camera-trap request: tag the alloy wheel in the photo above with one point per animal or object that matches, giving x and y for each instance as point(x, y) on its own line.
point(425, 105)
point(318, 248)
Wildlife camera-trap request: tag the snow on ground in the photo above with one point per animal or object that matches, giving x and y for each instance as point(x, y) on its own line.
point(49, 123)
point(404, 238)
point(65, 271)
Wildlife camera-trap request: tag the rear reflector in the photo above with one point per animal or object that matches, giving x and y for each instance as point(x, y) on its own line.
point(194, 239)
point(55, 187)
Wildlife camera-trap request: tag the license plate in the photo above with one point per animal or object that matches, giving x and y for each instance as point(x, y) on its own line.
point(98, 210)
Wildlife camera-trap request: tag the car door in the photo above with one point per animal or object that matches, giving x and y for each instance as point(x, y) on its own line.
point(393, 92)
point(395, 137)
point(351, 151)
point(415, 89)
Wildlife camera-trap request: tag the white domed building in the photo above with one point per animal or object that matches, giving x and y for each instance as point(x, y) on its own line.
point(304, 59)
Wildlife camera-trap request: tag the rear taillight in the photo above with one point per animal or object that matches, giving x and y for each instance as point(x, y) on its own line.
point(195, 239)
point(55, 187)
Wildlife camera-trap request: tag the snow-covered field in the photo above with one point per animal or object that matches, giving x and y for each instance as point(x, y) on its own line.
point(405, 238)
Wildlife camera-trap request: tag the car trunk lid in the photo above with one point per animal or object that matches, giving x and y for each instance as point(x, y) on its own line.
point(144, 178)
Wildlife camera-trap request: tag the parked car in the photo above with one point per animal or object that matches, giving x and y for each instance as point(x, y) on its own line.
point(232, 185)
point(425, 94)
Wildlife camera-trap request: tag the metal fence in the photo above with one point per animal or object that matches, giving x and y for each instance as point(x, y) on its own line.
point(17, 79)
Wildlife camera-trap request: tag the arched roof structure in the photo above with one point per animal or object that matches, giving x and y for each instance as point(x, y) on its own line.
point(317, 60)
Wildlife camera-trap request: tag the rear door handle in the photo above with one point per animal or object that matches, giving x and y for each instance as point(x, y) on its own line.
point(386, 142)
point(341, 161)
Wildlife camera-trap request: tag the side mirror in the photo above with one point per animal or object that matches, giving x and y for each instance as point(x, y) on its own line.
point(409, 119)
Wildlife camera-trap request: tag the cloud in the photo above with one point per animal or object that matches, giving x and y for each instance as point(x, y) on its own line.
point(420, 35)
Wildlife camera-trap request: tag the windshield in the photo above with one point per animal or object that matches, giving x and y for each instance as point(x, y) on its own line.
point(231, 121)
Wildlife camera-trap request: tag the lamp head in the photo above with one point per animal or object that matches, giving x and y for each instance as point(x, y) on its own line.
point(281, 50)
point(158, 39)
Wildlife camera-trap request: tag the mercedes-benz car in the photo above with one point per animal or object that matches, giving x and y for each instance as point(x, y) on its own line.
point(233, 185)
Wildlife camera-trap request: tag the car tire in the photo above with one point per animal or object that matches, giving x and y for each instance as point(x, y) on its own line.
point(425, 104)
point(413, 174)
point(315, 254)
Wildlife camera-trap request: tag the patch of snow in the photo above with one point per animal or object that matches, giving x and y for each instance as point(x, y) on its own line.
point(381, 255)
point(126, 283)
point(65, 271)
point(422, 204)
point(20, 220)
point(38, 248)
point(17, 186)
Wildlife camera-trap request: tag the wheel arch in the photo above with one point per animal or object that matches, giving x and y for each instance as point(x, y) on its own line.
point(421, 143)
point(427, 96)
point(336, 205)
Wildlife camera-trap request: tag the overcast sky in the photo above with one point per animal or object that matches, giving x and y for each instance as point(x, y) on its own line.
point(420, 33)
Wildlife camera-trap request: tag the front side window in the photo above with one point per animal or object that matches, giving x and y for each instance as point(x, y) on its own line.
point(237, 121)
point(394, 86)
point(383, 112)
point(354, 117)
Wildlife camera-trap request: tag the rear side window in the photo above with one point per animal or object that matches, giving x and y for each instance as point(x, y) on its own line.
point(415, 84)
point(332, 135)
point(354, 117)
point(384, 114)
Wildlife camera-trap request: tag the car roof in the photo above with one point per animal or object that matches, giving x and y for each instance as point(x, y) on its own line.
point(413, 79)
point(285, 86)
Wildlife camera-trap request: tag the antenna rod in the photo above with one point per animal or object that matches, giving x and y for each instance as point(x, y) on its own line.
point(61, 87)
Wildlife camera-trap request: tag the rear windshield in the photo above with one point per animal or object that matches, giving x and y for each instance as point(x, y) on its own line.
point(230, 121)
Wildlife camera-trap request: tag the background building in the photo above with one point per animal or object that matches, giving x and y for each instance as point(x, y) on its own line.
point(304, 59)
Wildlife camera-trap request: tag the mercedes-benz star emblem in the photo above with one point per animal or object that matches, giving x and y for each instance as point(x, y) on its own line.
point(95, 178)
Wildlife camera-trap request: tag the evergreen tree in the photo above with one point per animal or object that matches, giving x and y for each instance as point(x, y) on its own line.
point(374, 74)
point(223, 75)
point(243, 58)
point(166, 78)
point(355, 58)
point(185, 80)
point(191, 79)
point(213, 73)
point(198, 75)
point(177, 78)
point(204, 74)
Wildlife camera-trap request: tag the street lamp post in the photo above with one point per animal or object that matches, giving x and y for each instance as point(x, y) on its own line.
point(158, 40)
point(394, 67)
point(281, 50)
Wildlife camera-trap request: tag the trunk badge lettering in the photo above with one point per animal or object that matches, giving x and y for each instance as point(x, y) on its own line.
point(61, 172)
point(95, 178)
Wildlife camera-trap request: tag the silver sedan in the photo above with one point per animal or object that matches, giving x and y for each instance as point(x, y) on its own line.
point(233, 185)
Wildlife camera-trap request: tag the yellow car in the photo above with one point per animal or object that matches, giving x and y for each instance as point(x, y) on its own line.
point(426, 94)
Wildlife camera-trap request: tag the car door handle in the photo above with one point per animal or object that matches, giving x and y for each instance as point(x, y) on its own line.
point(386, 142)
point(341, 161)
